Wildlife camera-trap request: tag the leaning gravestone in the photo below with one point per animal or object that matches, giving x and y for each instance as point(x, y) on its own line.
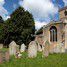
point(13, 48)
point(1, 46)
point(32, 49)
point(46, 49)
point(23, 47)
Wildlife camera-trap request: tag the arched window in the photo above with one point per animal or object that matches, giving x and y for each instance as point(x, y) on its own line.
point(53, 34)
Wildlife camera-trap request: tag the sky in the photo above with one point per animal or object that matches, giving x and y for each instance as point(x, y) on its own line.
point(43, 11)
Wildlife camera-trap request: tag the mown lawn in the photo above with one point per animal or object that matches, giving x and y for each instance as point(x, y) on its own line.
point(54, 60)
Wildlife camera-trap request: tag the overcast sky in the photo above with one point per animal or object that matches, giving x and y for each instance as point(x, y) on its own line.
point(43, 11)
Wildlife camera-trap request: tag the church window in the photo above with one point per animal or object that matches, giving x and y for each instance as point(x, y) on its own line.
point(53, 34)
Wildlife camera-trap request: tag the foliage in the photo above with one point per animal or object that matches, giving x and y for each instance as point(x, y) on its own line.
point(1, 20)
point(19, 27)
point(1, 30)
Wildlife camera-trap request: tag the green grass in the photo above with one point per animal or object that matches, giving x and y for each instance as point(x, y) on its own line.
point(54, 60)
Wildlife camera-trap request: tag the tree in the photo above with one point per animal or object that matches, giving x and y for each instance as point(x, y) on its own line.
point(8, 29)
point(1, 20)
point(19, 27)
point(1, 30)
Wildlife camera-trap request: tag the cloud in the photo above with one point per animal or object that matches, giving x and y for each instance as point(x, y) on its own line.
point(20, 2)
point(65, 2)
point(41, 9)
point(2, 2)
point(3, 11)
point(6, 17)
point(39, 24)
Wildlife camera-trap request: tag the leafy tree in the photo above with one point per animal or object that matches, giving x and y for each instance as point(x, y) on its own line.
point(1, 20)
point(19, 27)
point(1, 30)
point(8, 29)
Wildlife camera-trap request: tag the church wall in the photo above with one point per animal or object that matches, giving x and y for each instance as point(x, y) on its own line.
point(66, 37)
point(46, 34)
point(61, 31)
point(59, 34)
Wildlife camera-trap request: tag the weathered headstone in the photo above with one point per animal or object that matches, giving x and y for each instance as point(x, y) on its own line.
point(1, 46)
point(32, 49)
point(13, 48)
point(57, 48)
point(7, 56)
point(23, 47)
point(62, 47)
point(39, 48)
point(17, 48)
point(0, 58)
point(4, 55)
point(65, 50)
point(46, 49)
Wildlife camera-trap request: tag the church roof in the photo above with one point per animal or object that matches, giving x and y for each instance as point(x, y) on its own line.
point(63, 8)
point(40, 31)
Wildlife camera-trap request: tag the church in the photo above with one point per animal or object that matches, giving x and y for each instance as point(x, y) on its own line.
point(55, 32)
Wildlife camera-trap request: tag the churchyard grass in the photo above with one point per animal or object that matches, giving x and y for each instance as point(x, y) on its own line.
point(53, 60)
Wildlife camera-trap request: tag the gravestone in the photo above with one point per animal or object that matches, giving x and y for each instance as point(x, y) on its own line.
point(1, 46)
point(57, 48)
point(23, 47)
point(4, 55)
point(62, 47)
point(39, 48)
point(65, 50)
point(0, 58)
point(7, 56)
point(32, 49)
point(13, 48)
point(46, 49)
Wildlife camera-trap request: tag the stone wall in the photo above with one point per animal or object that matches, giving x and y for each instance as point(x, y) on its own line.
point(62, 15)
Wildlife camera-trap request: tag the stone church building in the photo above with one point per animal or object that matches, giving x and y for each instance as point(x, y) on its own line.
point(55, 32)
